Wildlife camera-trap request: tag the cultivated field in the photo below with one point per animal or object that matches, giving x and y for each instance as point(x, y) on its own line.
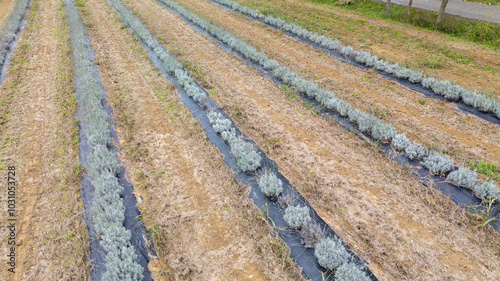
point(243, 140)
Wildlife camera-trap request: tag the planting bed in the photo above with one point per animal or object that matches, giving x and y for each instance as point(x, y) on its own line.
point(180, 140)
point(119, 248)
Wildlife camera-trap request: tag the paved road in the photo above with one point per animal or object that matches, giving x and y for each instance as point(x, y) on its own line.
point(462, 9)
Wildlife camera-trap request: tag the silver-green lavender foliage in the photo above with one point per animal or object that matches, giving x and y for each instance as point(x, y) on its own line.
point(438, 164)
point(270, 184)
point(108, 208)
point(440, 87)
point(415, 151)
point(486, 190)
point(463, 176)
point(400, 142)
point(350, 272)
point(331, 253)
point(8, 33)
point(218, 122)
point(297, 216)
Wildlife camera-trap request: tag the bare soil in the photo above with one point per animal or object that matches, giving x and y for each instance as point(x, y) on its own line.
point(202, 223)
point(468, 64)
point(436, 124)
point(40, 137)
point(402, 229)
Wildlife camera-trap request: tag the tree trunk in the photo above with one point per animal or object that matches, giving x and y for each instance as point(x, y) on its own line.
point(388, 7)
point(409, 9)
point(441, 13)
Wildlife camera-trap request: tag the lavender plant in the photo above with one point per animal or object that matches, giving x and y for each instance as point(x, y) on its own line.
point(486, 190)
point(445, 88)
point(415, 151)
point(331, 253)
point(438, 164)
point(270, 184)
point(311, 234)
point(350, 272)
point(463, 176)
point(400, 142)
point(297, 216)
point(286, 200)
point(248, 159)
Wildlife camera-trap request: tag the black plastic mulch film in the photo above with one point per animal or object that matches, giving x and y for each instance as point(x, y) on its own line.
point(467, 109)
point(304, 257)
point(463, 197)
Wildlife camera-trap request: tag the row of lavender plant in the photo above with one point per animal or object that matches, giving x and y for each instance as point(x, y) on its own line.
point(108, 209)
point(444, 88)
point(8, 33)
point(330, 253)
point(435, 163)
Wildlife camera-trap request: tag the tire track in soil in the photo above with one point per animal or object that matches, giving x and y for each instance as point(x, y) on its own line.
point(365, 90)
point(199, 218)
point(372, 214)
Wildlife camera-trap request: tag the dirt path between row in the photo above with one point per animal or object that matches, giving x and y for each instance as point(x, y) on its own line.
point(52, 239)
point(435, 123)
point(469, 64)
point(401, 228)
point(202, 222)
point(6, 8)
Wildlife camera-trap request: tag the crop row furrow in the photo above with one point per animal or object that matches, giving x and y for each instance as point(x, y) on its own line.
point(485, 107)
point(270, 188)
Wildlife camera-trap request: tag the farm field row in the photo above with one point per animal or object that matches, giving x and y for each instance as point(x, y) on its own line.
point(366, 123)
point(202, 222)
point(433, 123)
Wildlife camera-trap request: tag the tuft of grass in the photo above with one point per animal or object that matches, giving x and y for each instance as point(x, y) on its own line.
point(434, 64)
point(488, 169)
